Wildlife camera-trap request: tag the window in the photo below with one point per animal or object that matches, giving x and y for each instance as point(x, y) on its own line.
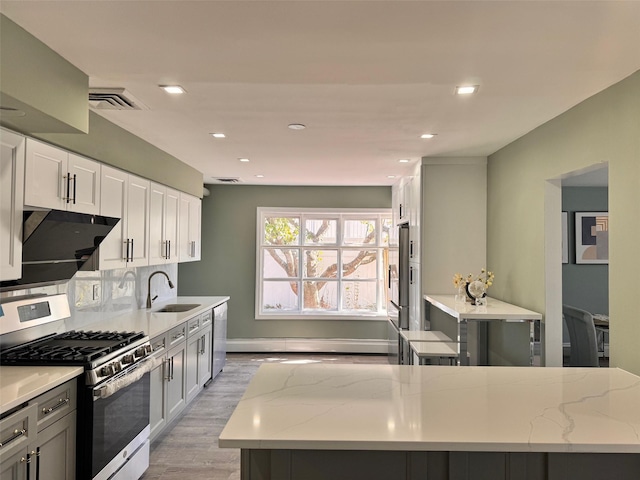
point(319, 262)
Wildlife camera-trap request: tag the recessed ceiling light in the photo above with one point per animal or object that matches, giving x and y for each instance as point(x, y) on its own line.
point(466, 89)
point(427, 135)
point(391, 176)
point(243, 159)
point(404, 160)
point(172, 89)
point(218, 135)
point(297, 126)
point(260, 176)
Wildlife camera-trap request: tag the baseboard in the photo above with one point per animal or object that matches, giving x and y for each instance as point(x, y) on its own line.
point(307, 345)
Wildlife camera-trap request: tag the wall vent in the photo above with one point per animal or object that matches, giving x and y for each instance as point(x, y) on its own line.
point(114, 99)
point(227, 180)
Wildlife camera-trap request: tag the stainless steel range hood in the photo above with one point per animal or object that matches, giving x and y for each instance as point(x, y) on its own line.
point(56, 244)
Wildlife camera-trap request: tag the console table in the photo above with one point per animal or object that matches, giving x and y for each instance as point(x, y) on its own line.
point(494, 310)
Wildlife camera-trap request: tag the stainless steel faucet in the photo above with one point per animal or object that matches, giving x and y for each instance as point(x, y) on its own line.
point(149, 299)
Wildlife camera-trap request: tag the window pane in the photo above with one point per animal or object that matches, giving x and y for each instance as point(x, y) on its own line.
point(280, 297)
point(320, 263)
point(359, 296)
point(359, 232)
point(359, 264)
point(281, 230)
point(280, 262)
point(321, 231)
point(386, 228)
point(320, 296)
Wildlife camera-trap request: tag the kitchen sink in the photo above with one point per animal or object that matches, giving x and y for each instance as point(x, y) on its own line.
point(177, 307)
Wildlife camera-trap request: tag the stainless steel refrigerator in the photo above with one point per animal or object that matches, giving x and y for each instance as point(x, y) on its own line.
point(398, 286)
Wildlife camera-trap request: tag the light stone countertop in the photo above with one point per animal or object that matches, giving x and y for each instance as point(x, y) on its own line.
point(154, 323)
point(437, 408)
point(21, 384)
point(494, 310)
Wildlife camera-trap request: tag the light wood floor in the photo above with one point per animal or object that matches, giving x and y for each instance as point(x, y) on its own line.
point(188, 449)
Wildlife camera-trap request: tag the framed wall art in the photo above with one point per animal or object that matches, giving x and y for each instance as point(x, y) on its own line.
point(592, 237)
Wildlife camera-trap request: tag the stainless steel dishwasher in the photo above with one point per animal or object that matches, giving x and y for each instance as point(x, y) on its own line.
point(219, 339)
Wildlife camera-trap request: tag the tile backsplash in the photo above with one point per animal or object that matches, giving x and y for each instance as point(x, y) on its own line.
point(101, 295)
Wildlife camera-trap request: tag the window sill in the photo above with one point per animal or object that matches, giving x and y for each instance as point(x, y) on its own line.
point(328, 317)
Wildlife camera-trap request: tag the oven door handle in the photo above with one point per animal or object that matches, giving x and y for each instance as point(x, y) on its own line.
point(125, 378)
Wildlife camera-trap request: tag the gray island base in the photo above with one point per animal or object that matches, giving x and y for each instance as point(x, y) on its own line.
point(437, 422)
point(390, 465)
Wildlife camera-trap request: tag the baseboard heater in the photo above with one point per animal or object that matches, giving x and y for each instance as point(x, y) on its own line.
point(307, 345)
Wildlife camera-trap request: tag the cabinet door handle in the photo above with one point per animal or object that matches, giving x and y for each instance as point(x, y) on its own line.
point(38, 463)
point(16, 435)
point(68, 192)
point(168, 249)
point(411, 275)
point(28, 466)
point(171, 368)
point(75, 183)
point(202, 339)
point(165, 370)
point(389, 277)
point(192, 253)
point(400, 210)
point(411, 248)
point(61, 403)
point(131, 250)
point(126, 254)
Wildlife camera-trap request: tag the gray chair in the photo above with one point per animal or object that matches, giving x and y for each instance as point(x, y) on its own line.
point(582, 335)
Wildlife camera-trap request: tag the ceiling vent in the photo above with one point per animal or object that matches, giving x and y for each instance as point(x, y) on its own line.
point(114, 99)
point(227, 180)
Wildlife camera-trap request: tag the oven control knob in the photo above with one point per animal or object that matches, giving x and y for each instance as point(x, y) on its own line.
point(127, 359)
point(148, 349)
point(140, 352)
point(117, 367)
point(107, 371)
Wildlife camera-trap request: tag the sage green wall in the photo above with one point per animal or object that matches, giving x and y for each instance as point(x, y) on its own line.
point(228, 265)
point(35, 79)
point(115, 146)
point(603, 128)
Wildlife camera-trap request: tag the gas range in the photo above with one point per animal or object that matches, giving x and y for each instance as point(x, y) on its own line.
point(102, 354)
point(112, 428)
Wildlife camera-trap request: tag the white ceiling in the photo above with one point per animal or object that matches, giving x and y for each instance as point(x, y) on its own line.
point(365, 77)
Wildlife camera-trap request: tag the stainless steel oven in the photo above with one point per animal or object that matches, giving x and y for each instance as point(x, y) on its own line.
point(116, 418)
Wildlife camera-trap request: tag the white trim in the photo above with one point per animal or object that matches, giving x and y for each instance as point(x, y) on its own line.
point(307, 345)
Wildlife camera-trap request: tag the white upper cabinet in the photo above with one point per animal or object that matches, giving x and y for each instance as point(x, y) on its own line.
point(57, 179)
point(12, 147)
point(163, 224)
point(190, 228)
point(126, 197)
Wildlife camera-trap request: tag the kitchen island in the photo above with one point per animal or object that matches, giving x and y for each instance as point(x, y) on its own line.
point(397, 421)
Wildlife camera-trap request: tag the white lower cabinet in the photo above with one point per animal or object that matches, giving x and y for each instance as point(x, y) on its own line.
point(185, 355)
point(199, 361)
point(39, 440)
point(168, 379)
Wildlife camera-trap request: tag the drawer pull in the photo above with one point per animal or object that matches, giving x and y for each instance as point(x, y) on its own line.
point(16, 434)
point(195, 327)
point(62, 402)
point(177, 337)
